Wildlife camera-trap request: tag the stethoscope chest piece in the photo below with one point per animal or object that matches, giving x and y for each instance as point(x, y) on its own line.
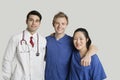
point(37, 54)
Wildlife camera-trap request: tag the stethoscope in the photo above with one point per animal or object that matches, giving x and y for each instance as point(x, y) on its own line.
point(23, 40)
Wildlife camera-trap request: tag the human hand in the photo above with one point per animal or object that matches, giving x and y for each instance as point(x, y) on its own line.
point(86, 60)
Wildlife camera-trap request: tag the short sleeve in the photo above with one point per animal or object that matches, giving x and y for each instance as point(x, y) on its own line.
point(98, 72)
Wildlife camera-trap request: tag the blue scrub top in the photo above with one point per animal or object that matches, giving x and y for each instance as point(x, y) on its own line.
point(58, 56)
point(93, 72)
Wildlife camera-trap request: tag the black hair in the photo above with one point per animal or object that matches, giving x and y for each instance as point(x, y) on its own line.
point(85, 32)
point(34, 12)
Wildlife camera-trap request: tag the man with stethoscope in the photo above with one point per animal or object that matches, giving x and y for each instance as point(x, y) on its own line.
point(24, 55)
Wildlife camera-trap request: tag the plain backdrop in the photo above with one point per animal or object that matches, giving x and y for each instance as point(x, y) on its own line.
point(100, 17)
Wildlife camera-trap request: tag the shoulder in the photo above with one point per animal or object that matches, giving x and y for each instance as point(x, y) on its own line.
point(16, 36)
point(68, 36)
point(14, 39)
point(95, 59)
point(42, 40)
point(48, 37)
point(95, 56)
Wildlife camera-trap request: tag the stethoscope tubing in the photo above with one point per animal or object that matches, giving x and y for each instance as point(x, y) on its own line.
point(23, 36)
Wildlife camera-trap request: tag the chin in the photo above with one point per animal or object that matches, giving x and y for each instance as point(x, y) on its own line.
point(60, 32)
point(77, 48)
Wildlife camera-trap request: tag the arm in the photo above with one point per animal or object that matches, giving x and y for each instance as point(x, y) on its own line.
point(87, 59)
point(7, 60)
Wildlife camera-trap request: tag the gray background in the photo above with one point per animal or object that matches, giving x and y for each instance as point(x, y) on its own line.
point(100, 17)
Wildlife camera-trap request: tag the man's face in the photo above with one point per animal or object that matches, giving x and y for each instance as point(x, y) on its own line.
point(33, 23)
point(60, 25)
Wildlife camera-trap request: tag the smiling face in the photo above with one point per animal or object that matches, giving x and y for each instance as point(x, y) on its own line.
point(80, 40)
point(60, 25)
point(33, 23)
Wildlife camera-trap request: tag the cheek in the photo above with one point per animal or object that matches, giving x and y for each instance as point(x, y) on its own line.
point(74, 42)
point(29, 23)
point(38, 23)
point(84, 43)
point(65, 26)
point(55, 27)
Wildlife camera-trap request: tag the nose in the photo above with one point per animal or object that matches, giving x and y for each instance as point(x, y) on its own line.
point(78, 41)
point(59, 25)
point(33, 22)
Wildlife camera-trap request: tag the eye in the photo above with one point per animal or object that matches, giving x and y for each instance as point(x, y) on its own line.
point(56, 23)
point(37, 21)
point(30, 19)
point(63, 23)
point(81, 38)
point(74, 38)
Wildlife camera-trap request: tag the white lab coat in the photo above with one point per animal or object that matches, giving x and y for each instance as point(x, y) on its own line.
point(20, 64)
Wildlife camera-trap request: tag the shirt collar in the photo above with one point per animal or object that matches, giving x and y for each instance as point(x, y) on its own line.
point(28, 34)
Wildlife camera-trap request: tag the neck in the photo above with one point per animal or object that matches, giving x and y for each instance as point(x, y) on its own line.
point(59, 36)
point(31, 32)
point(83, 52)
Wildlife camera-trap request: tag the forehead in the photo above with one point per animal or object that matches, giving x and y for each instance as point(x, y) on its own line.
point(60, 19)
point(79, 34)
point(33, 17)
